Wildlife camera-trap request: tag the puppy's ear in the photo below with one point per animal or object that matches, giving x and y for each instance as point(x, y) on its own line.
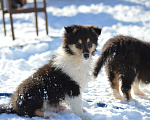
point(97, 30)
point(69, 29)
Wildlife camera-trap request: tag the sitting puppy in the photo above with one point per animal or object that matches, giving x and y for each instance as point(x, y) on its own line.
point(126, 59)
point(62, 79)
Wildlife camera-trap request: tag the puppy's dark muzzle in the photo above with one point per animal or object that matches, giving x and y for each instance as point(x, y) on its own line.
point(86, 55)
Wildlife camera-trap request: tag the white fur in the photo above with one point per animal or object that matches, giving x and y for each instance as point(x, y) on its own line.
point(48, 114)
point(80, 71)
point(76, 106)
point(136, 89)
point(117, 94)
point(48, 107)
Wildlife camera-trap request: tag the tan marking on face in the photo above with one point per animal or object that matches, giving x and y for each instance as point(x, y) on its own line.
point(76, 50)
point(80, 41)
point(88, 40)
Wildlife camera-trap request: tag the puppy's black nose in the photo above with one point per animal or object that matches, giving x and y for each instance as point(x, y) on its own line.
point(86, 55)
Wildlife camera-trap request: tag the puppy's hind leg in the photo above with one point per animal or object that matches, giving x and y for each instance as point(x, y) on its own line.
point(136, 89)
point(114, 81)
point(127, 79)
point(39, 113)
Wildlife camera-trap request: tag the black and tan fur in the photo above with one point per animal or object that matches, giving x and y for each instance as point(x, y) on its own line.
point(62, 79)
point(126, 59)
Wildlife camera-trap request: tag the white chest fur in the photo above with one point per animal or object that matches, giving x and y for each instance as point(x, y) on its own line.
point(78, 69)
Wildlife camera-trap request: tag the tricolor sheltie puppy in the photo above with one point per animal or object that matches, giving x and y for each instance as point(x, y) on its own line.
point(62, 79)
point(126, 59)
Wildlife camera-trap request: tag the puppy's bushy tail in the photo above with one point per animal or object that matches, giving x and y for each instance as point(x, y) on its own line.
point(6, 109)
point(102, 59)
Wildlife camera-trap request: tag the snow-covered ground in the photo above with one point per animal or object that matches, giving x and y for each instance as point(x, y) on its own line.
point(20, 58)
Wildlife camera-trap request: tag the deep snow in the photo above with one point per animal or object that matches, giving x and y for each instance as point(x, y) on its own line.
point(20, 58)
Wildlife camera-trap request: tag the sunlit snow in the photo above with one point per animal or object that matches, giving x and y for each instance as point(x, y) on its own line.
point(21, 58)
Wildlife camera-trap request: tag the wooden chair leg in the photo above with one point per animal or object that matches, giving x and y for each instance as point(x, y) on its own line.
point(11, 20)
point(36, 21)
point(46, 23)
point(12, 28)
point(4, 24)
point(2, 7)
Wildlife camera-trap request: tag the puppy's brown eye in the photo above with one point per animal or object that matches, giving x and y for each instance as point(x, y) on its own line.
point(78, 45)
point(89, 44)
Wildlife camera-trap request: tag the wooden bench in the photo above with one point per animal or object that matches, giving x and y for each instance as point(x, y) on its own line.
point(23, 10)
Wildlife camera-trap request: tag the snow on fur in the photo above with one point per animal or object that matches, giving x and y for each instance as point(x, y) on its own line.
point(20, 58)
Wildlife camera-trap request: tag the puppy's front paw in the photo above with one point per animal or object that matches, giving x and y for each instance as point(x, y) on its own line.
point(48, 114)
point(83, 117)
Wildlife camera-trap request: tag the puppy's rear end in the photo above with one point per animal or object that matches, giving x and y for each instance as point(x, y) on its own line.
point(121, 56)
